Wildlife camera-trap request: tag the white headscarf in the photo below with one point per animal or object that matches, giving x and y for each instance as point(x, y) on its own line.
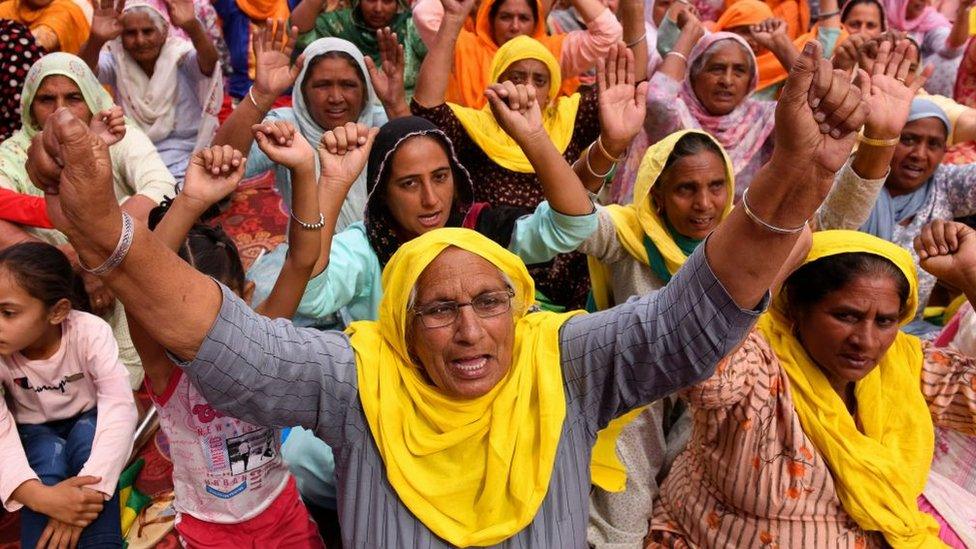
point(355, 203)
point(151, 101)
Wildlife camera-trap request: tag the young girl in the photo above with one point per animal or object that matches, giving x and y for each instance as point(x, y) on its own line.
point(68, 430)
point(232, 487)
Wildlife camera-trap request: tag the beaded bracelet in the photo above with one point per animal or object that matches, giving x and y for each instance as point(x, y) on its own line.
point(121, 249)
point(310, 226)
point(763, 224)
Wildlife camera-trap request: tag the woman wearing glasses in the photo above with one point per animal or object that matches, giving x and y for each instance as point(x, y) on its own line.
point(477, 431)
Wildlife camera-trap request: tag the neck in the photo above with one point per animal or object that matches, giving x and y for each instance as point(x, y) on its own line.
point(845, 390)
point(147, 67)
point(46, 345)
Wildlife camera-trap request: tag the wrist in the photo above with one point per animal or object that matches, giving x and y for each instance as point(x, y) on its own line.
point(261, 99)
point(189, 205)
point(305, 168)
point(30, 494)
point(614, 147)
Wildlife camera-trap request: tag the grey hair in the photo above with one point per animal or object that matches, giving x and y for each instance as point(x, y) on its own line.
point(702, 60)
point(157, 20)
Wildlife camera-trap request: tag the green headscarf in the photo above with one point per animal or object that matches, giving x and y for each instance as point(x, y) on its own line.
point(13, 151)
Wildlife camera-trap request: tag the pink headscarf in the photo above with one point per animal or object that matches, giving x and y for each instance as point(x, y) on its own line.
point(743, 131)
point(928, 20)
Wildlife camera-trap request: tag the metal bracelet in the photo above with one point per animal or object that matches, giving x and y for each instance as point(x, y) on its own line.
point(310, 226)
point(121, 249)
point(763, 224)
point(586, 158)
point(638, 41)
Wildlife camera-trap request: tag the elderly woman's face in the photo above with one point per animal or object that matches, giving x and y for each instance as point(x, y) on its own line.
point(142, 38)
point(692, 194)
point(420, 188)
point(850, 329)
point(58, 91)
point(529, 71)
point(919, 152)
point(334, 92)
point(467, 358)
point(864, 19)
point(723, 80)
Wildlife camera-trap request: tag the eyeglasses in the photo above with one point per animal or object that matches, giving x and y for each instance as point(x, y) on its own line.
point(445, 313)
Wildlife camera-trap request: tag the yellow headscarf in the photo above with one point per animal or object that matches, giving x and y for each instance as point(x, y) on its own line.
point(473, 471)
point(558, 118)
point(638, 219)
point(879, 473)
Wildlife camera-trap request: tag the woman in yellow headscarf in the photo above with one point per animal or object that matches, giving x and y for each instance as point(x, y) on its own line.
point(821, 425)
point(57, 25)
point(503, 175)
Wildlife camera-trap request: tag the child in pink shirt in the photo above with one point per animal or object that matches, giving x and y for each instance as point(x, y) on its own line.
point(232, 487)
point(68, 416)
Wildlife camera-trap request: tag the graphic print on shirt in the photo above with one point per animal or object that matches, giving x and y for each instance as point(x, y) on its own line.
point(61, 386)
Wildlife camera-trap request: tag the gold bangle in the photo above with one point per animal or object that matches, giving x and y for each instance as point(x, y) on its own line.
point(606, 154)
point(878, 142)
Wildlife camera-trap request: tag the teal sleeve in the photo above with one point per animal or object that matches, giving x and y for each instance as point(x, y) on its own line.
point(541, 235)
point(347, 276)
point(828, 39)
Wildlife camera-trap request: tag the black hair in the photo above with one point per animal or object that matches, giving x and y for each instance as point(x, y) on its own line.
point(497, 5)
point(45, 273)
point(690, 145)
point(207, 249)
point(812, 282)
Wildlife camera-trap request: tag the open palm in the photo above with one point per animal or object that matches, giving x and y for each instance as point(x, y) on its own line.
point(893, 86)
point(622, 103)
point(274, 72)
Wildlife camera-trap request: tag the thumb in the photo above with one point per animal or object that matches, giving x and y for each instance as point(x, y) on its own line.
point(83, 481)
point(71, 134)
point(802, 72)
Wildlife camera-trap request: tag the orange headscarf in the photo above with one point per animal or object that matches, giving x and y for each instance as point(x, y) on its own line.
point(474, 52)
point(63, 17)
point(260, 10)
point(752, 12)
point(796, 13)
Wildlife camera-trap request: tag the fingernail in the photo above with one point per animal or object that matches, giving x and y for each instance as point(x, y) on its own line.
point(819, 116)
point(824, 128)
point(809, 48)
point(835, 133)
point(815, 102)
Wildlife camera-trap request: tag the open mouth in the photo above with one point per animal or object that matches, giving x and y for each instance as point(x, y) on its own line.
point(702, 223)
point(430, 220)
point(470, 367)
point(913, 170)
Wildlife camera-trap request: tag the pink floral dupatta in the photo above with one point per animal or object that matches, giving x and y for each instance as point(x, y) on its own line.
point(742, 132)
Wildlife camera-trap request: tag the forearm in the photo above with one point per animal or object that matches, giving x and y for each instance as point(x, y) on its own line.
point(960, 30)
point(305, 13)
point(176, 303)
point(435, 71)
point(592, 163)
point(784, 50)
point(30, 494)
point(675, 67)
point(114, 429)
point(207, 55)
point(965, 129)
point(747, 257)
point(236, 130)
point(849, 203)
point(588, 10)
point(829, 6)
point(178, 221)
point(560, 185)
point(11, 234)
point(90, 51)
point(631, 15)
point(303, 248)
point(331, 196)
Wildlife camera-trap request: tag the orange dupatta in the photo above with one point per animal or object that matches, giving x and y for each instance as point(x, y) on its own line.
point(474, 51)
point(63, 17)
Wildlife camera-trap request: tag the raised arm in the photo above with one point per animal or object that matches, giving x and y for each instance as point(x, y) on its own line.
point(305, 13)
point(622, 110)
point(662, 97)
point(284, 145)
point(959, 34)
point(746, 251)
point(631, 15)
point(273, 75)
point(435, 71)
point(387, 79)
point(581, 48)
point(106, 25)
point(772, 35)
point(183, 16)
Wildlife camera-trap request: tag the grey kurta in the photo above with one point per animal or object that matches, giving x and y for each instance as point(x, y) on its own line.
point(271, 373)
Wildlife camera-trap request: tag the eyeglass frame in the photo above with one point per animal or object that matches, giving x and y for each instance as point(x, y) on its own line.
point(422, 313)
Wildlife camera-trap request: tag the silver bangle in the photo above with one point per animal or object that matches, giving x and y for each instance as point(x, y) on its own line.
point(310, 226)
point(121, 249)
point(682, 56)
point(763, 224)
point(638, 41)
point(586, 158)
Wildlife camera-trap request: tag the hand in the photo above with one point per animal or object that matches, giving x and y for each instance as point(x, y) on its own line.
point(213, 173)
point(847, 54)
point(818, 115)
point(100, 298)
point(516, 109)
point(767, 32)
point(893, 86)
point(73, 168)
point(388, 78)
point(682, 12)
point(691, 31)
point(458, 8)
point(70, 502)
point(947, 250)
point(109, 125)
point(59, 535)
point(622, 104)
point(284, 144)
point(181, 12)
point(272, 60)
point(343, 152)
point(106, 22)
